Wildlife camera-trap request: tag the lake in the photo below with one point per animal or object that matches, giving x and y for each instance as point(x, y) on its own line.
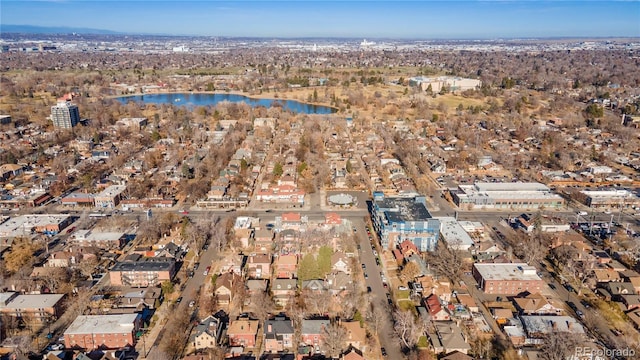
point(204, 99)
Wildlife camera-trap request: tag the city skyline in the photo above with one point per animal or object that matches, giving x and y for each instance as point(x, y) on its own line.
point(366, 19)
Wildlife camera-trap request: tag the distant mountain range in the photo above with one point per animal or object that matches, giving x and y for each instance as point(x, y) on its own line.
point(30, 29)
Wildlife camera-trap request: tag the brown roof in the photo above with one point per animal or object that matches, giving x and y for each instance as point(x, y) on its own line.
point(243, 327)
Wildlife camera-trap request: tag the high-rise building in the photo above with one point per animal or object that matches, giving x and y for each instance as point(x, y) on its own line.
point(65, 115)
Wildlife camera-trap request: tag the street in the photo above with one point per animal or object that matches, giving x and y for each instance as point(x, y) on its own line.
point(388, 338)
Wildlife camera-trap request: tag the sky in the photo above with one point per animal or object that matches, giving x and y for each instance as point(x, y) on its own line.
point(425, 19)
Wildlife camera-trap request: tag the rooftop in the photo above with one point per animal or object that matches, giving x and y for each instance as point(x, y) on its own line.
point(32, 301)
point(403, 209)
point(112, 191)
point(22, 225)
point(102, 324)
point(145, 264)
point(513, 271)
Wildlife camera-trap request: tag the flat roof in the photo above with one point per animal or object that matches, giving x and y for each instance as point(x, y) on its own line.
point(453, 233)
point(102, 324)
point(608, 193)
point(112, 191)
point(510, 272)
point(511, 186)
point(145, 264)
point(398, 209)
point(23, 224)
point(514, 193)
point(35, 301)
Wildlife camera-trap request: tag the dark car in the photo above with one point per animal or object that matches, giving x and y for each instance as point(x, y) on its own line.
point(383, 351)
point(179, 300)
point(368, 289)
point(195, 266)
point(572, 305)
point(552, 286)
point(585, 303)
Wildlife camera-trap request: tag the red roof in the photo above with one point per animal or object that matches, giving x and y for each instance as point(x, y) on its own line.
point(332, 218)
point(291, 217)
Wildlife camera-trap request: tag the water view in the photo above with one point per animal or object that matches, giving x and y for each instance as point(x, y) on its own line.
point(204, 99)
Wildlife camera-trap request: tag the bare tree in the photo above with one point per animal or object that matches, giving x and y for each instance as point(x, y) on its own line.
point(406, 328)
point(559, 345)
point(333, 337)
point(262, 305)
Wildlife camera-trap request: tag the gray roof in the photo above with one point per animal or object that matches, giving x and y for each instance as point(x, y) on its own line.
point(210, 325)
point(280, 325)
point(102, 324)
point(32, 301)
point(145, 264)
point(551, 324)
point(314, 326)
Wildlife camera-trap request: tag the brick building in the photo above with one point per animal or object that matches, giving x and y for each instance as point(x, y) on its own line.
point(507, 279)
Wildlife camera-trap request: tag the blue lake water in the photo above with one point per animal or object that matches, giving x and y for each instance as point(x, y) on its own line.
point(204, 99)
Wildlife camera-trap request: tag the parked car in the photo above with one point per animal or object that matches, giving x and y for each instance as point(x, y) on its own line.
point(192, 303)
point(383, 351)
point(179, 300)
point(206, 271)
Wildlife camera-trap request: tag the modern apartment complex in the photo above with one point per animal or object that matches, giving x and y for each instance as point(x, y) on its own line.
point(65, 115)
point(396, 219)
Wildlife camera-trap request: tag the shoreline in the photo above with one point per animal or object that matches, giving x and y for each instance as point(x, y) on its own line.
point(259, 97)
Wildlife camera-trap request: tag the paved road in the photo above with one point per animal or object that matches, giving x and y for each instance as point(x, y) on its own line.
point(388, 339)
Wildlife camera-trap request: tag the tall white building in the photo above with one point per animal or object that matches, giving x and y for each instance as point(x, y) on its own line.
point(65, 115)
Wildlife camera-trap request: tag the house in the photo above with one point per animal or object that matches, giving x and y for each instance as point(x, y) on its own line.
point(456, 355)
point(468, 301)
point(169, 250)
point(617, 289)
point(283, 290)
point(263, 240)
point(606, 274)
point(340, 262)
point(436, 311)
point(314, 285)
point(538, 327)
point(356, 335)
point(486, 250)
point(62, 259)
point(139, 299)
point(256, 286)
point(312, 332)
point(338, 282)
point(91, 332)
point(448, 337)
point(243, 332)
point(286, 266)
point(259, 266)
point(225, 287)
point(408, 248)
point(232, 263)
point(631, 301)
point(535, 304)
point(207, 333)
point(278, 334)
point(352, 354)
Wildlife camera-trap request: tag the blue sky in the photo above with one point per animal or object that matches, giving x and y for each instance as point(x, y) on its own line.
point(360, 19)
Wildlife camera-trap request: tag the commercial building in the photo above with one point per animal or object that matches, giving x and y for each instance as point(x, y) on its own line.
point(507, 279)
point(93, 332)
point(65, 115)
point(608, 198)
point(140, 271)
point(27, 225)
point(483, 195)
point(40, 307)
point(397, 219)
point(109, 197)
point(454, 235)
point(452, 83)
point(102, 240)
point(78, 199)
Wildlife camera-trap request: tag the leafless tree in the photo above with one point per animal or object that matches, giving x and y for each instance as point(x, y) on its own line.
point(406, 328)
point(333, 337)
